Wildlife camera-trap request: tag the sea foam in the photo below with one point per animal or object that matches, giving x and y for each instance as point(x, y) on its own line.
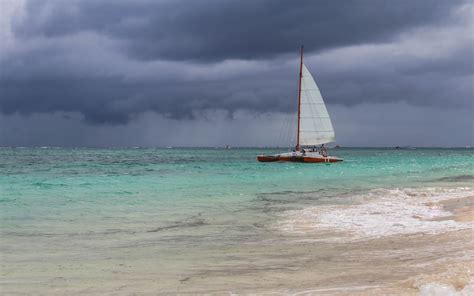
point(382, 212)
point(437, 289)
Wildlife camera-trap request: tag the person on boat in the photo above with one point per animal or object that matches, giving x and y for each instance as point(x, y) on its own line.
point(303, 151)
point(323, 151)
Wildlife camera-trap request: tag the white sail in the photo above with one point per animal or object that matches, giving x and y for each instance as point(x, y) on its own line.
point(315, 123)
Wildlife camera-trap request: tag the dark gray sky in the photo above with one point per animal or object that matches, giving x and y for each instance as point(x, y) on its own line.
point(216, 72)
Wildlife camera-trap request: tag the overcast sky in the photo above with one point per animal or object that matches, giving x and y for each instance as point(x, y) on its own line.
point(217, 72)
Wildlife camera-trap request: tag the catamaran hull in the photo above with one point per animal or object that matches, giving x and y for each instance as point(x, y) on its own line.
point(268, 158)
point(305, 159)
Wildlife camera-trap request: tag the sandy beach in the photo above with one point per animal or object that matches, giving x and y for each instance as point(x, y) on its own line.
point(314, 260)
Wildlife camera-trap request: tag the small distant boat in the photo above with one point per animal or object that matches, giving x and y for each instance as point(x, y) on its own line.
point(405, 147)
point(314, 124)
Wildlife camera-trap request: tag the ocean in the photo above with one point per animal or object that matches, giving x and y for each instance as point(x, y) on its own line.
point(212, 221)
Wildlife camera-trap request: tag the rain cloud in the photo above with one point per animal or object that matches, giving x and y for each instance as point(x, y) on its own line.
point(114, 64)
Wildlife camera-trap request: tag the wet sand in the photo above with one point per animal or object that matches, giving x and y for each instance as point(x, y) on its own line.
point(462, 209)
point(290, 263)
point(407, 264)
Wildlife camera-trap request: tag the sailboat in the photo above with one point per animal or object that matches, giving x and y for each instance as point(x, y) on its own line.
point(314, 124)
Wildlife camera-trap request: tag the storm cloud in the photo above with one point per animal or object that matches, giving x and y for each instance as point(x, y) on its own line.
point(211, 30)
point(116, 62)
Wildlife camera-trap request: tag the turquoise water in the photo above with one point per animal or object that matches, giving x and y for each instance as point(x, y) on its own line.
point(50, 190)
point(70, 205)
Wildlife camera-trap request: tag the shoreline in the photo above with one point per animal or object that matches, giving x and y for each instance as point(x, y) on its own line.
point(462, 209)
point(284, 262)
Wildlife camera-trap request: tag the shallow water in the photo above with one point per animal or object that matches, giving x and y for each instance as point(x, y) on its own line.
point(215, 220)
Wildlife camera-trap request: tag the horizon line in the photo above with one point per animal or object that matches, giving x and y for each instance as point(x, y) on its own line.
point(225, 147)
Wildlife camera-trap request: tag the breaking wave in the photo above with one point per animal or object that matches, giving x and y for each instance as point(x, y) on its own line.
point(382, 212)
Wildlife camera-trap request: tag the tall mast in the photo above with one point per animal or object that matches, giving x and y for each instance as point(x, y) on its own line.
point(299, 101)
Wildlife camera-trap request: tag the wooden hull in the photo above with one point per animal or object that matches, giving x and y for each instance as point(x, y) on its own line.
point(298, 158)
point(267, 158)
